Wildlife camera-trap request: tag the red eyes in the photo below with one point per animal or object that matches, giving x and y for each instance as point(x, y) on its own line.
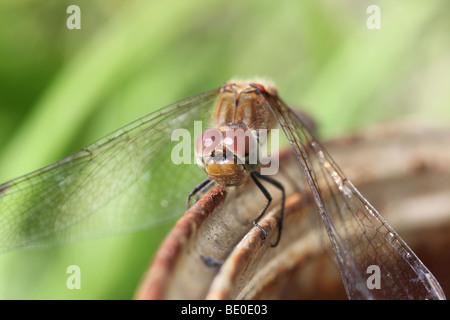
point(237, 140)
point(208, 142)
point(241, 142)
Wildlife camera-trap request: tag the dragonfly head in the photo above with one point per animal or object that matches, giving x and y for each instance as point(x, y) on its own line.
point(227, 156)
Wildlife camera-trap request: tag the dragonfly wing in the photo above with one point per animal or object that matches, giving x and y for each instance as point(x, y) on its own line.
point(121, 183)
point(363, 242)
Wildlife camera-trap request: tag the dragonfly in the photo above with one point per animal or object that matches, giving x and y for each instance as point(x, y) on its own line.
point(124, 183)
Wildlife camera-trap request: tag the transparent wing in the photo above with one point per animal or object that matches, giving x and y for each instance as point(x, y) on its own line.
point(123, 182)
point(364, 244)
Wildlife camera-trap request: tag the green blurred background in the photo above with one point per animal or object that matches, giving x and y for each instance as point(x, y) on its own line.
point(62, 89)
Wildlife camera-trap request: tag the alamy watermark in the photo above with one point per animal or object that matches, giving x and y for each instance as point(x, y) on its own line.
point(374, 20)
point(374, 280)
point(74, 20)
point(74, 280)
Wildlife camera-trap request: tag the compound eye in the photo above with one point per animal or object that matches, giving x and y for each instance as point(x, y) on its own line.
point(208, 141)
point(241, 142)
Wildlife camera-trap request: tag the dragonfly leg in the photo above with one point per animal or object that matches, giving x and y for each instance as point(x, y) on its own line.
point(204, 189)
point(255, 176)
point(205, 184)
